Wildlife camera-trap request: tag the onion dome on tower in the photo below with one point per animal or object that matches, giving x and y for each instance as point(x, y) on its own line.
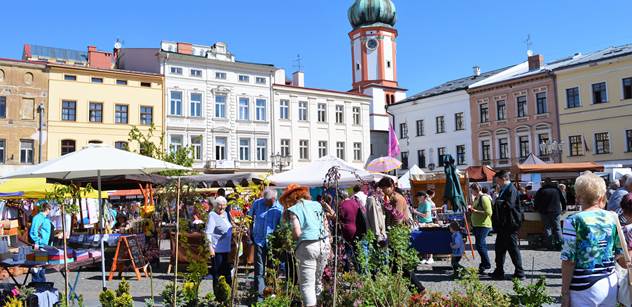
point(372, 13)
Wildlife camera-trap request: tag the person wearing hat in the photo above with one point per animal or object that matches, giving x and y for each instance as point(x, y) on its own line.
point(308, 223)
point(219, 232)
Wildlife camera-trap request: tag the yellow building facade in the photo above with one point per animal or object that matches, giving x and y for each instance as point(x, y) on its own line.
point(89, 105)
point(595, 107)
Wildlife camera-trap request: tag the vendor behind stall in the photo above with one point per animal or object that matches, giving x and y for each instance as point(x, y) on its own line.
point(40, 235)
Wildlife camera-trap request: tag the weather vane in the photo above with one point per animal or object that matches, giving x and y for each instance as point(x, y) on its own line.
point(299, 63)
point(529, 43)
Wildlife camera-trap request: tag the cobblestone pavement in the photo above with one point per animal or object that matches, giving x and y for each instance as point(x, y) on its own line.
point(436, 277)
point(535, 263)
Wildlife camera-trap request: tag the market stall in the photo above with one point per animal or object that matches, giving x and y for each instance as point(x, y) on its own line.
point(404, 181)
point(532, 227)
point(95, 160)
point(314, 173)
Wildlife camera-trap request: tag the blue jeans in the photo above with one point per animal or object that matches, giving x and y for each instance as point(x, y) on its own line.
point(552, 229)
point(38, 275)
point(480, 233)
point(261, 259)
point(353, 259)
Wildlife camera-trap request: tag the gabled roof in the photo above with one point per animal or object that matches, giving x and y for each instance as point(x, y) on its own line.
point(604, 54)
point(450, 86)
point(58, 53)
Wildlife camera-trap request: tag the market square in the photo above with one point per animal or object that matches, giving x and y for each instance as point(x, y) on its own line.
point(355, 153)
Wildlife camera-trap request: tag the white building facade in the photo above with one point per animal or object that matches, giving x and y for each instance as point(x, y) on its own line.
point(436, 122)
point(218, 106)
point(311, 123)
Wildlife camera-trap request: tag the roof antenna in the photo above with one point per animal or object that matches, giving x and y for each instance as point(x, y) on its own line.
point(299, 62)
point(529, 43)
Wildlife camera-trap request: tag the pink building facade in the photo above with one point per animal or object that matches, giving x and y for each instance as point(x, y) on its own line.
point(512, 114)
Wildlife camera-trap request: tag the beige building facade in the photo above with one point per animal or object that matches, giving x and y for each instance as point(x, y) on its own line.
point(23, 95)
point(595, 106)
point(93, 105)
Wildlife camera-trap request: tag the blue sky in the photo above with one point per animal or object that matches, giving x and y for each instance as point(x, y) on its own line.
point(438, 40)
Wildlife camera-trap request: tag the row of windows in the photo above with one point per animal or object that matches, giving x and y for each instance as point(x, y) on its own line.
point(99, 80)
point(95, 112)
point(323, 149)
point(459, 125)
point(197, 73)
point(441, 152)
point(599, 93)
point(195, 106)
point(521, 108)
point(68, 146)
point(321, 112)
point(524, 147)
point(578, 145)
point(27, 151)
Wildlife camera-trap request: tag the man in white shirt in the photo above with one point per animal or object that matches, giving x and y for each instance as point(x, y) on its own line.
point(357, 193)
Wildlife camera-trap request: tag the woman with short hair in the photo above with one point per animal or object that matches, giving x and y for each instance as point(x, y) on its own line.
point(591, 245)
point(219, 233)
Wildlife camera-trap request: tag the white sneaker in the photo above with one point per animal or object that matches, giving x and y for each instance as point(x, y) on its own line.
point(430, 261)
point(423, 261)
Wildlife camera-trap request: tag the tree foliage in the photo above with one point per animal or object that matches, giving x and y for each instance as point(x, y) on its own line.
point(147, 147)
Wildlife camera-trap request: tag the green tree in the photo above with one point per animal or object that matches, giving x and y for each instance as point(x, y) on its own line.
point(146, 147)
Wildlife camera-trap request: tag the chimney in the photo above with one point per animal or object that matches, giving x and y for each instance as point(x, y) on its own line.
point(99, 59)
point(279, 76)
point(26, 52)
point(298, 79)
point(477, 70)
point(185, 48)
point(535, 62)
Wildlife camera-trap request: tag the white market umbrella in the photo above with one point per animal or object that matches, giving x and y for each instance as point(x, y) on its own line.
point(313, 174)
point(404, 181)
point(96, 160)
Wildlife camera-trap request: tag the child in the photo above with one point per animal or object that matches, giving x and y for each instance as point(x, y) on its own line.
point(457, 247)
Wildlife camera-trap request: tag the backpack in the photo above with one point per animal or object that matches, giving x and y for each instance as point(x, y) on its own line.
point(361, 221)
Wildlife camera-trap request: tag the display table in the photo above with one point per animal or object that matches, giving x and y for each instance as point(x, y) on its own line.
point(434, 240)
point(72, 266)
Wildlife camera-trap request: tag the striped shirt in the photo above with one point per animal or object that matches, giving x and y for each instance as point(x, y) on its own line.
point(592, 242)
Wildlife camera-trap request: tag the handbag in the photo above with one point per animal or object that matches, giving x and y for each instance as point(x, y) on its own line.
point(624, 295)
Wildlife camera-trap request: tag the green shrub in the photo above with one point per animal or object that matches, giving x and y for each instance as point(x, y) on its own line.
point(106, 298)
point(532, 295)
point(123, 288)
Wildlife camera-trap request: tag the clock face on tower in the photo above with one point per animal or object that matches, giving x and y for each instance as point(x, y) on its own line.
point(371, 44)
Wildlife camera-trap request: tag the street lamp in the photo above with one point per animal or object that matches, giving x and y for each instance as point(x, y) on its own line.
point(280, 161)
point(40, 110)
point(553, 148)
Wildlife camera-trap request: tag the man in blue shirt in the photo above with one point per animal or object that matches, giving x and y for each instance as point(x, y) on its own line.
point(40, 234)
point(266, 213)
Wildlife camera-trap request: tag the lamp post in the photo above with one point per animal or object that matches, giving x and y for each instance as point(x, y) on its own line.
point(40, 110)
point(280, 161)
point(552, 148)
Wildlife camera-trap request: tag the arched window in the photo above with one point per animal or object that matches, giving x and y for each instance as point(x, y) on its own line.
point(121, 145)
point(67, 146)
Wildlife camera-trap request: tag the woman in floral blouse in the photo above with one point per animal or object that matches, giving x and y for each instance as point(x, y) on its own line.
point(591, 245)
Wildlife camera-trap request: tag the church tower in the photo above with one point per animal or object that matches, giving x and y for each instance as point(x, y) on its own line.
point(374, 63)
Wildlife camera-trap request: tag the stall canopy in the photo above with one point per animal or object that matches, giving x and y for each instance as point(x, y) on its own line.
point(480, 173)
point(32, 188)
point(221, 180)
point(558, 168)
point(121, 182)
point(404, 181)
point(313, 174)
point(532, 159)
